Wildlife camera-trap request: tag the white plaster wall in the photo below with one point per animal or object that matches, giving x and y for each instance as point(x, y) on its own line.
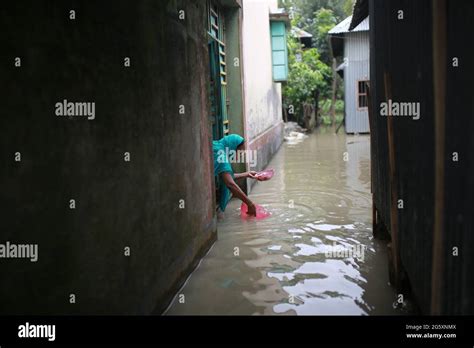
point(262, 95)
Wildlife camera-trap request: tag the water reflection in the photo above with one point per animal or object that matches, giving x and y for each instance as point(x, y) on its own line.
point(319, 198)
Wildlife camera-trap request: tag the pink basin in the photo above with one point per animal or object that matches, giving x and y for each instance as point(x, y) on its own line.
point(265, 175)
point(261, 212)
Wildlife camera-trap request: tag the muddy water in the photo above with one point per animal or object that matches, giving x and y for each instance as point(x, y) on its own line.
point(320, 203)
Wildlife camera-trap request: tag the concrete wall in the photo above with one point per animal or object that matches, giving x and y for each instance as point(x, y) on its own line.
point(356, 50)
point(263, 110)
point(118, 203)
point(235, 92)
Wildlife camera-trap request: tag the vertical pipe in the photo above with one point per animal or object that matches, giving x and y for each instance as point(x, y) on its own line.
point(439, 85)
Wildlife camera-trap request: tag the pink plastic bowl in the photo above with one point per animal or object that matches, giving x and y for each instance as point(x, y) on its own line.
point(261, 212)
point(265, 175)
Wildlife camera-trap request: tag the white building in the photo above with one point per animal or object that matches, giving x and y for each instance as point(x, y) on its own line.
point(265, 66)
point(353, 46)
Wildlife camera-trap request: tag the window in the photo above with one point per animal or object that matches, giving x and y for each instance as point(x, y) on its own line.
point(218, 73)
point(279, 51)
point(362, 100)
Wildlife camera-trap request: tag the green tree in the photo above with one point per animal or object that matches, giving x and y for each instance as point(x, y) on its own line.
point(324, 20)
point(307, 75)
point(306, 9)
point(316, 17)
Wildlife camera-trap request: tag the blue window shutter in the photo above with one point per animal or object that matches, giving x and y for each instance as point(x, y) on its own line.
point(279, 51)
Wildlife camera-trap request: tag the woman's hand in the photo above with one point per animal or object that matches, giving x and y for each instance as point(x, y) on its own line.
point(252, 175)
point(252, 209)
point(255, 176)
point(237, 192)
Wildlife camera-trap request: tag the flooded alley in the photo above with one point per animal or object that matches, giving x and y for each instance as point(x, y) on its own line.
point(320, 200)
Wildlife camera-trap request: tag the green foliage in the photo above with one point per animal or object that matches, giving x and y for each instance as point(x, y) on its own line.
point(317, 17)
point(347, 7)
point(339, 107)
point(311, 69)
point(307, 75)
point(306, 9)
point(323, 22)
point(324, 108)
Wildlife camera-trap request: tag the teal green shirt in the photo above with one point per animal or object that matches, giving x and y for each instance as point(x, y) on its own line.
point(221, 150)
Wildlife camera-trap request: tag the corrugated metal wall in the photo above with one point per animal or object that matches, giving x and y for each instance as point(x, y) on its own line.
point(459, 176)
point(401, 49)
point(356, 50)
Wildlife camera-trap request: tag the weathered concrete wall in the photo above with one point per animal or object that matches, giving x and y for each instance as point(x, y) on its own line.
point(263, 109)
point(235, 92)
point(118, 204)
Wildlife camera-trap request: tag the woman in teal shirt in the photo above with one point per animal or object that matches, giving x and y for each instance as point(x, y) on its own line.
point(223, 149)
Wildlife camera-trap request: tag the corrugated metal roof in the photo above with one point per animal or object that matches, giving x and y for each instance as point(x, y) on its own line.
point(343, 27)
point(300, 32)
point(359, 13)
point(363, 26)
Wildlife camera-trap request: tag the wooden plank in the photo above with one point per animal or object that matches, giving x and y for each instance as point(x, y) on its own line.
point(393, 189)
point(371, 129)
point(439, 85)
point(370, 113)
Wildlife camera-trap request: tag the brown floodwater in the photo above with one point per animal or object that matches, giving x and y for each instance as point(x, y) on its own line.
point(315, 255)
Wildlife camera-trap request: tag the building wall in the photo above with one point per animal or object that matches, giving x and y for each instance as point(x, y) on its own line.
point(410, 72)
point(356, 50)
point(263, 107)
point(235, 92)
point(458, 279)
point(402, 58)
point(118, 204)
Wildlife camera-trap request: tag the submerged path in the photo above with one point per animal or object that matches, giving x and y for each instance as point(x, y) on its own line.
point(320, 201)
